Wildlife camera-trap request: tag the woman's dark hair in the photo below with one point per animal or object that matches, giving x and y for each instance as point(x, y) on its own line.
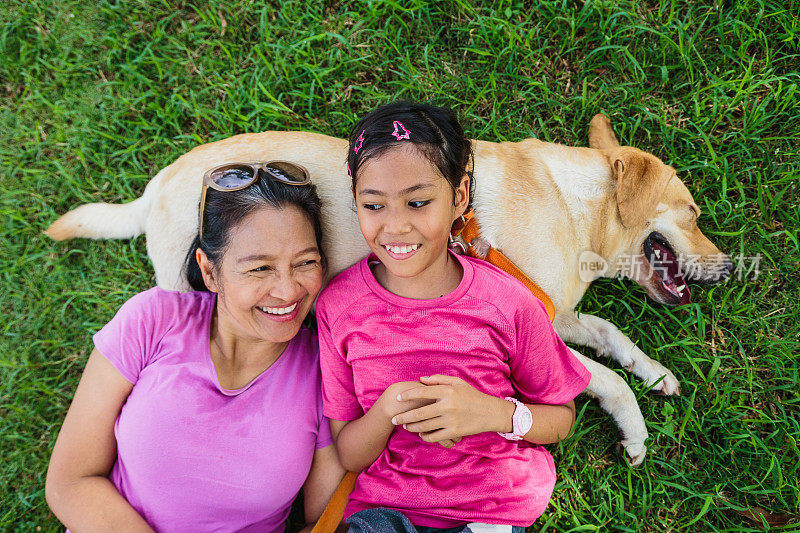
point(225, 210)
point(434, 131)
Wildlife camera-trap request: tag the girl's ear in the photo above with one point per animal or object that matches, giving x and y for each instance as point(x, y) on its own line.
point(206, 270)
point(461, 199)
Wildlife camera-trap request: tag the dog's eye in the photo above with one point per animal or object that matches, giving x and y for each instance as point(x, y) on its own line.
point(694, 211)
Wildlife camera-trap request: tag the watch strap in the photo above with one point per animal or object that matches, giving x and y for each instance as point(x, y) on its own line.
point(521, 421)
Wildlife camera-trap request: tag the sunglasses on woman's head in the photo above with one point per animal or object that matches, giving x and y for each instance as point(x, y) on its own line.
point(237, 176)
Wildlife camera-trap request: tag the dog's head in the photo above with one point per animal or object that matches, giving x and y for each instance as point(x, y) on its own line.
point(658, 243)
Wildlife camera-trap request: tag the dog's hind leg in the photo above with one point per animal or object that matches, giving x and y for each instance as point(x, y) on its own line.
point(618, 400)
point(603, 336)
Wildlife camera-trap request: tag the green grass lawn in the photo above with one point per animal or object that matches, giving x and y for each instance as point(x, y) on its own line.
point(98, 95)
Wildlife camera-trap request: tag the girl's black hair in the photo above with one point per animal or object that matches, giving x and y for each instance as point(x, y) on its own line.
point(434, 131)
point(225, 210)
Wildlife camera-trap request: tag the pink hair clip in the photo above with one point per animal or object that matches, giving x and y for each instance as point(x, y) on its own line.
point(397, 127)
point(348, 170)
point(359, 142)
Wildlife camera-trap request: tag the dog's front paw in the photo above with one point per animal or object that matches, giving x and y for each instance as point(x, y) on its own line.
point(669, 385)
point(634, 452)
point(656, 375)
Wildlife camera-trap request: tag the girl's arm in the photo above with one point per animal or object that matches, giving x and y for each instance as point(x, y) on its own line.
point(361, 441)
point(77, 488)
point(325, 475)
point(551, 423)
point(457, 409)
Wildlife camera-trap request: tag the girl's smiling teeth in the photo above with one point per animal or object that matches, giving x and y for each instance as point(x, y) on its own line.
point(278, 310)
point(404, 249)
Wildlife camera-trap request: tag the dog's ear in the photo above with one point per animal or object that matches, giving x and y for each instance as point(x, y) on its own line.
point(601, 135)
point(641, 180)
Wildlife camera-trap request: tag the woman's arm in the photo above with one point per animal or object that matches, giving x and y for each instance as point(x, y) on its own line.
point(456, 409)
point(325, 475)
point(77, 488)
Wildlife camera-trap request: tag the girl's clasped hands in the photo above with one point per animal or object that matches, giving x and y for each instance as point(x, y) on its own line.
point(444, 409)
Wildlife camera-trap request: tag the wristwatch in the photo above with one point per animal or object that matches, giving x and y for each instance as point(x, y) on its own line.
point(522, 421)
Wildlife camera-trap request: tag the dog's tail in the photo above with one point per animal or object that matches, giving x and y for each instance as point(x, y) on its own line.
point(106, 221)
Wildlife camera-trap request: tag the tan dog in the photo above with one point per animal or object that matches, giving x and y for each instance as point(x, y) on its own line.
point(564, 215)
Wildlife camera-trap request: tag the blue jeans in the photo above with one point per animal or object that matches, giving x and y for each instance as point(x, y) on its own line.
point(383, 520)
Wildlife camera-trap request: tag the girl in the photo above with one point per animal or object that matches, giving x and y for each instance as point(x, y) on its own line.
point(427, 356)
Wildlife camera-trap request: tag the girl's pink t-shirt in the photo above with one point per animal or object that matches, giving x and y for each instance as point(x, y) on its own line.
point(192, 456)
point(492, 333)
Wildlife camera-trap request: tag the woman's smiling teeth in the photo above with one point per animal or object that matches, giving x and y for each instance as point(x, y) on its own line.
point(401, 249)
point(279, 310)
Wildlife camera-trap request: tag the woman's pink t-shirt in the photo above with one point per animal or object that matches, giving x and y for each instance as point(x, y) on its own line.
point(491, 332)
point(192, 456)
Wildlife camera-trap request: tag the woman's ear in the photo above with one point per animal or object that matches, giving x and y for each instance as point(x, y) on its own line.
point(206, 270)
point(461, 199)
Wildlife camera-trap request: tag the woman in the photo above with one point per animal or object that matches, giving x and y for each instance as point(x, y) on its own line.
point(202, 411)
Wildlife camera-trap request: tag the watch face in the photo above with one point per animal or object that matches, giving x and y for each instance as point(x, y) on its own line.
point(525, 421)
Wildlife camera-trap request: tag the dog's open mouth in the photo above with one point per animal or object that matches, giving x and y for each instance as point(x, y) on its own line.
point(664, 263)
